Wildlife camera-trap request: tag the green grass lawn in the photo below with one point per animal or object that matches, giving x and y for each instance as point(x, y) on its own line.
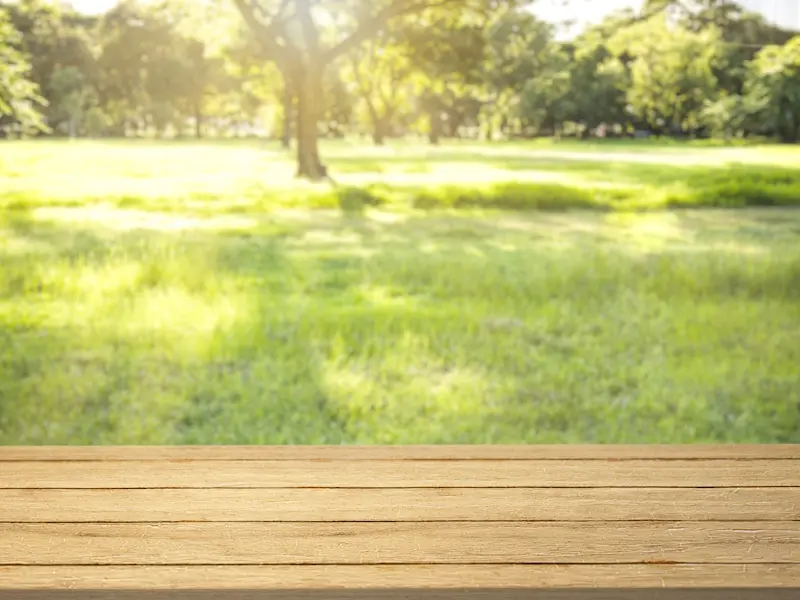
point(237, 177)
point(149, 295)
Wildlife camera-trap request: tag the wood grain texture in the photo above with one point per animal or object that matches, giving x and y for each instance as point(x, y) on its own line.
point(400, 474)
point(399, 523)
point(401, 577)
point(466, 452)
point(338, 593)
point(475, 504)
point(389, 543)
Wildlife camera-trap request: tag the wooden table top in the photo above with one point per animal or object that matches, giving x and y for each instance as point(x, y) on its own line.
point(400, 522)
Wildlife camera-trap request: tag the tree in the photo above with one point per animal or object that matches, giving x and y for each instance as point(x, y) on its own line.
point(339, 106)
point(258, 81)
point(725, 116)
point(303, 37)
point(73, 97)
point(597, 87)
point(742, 32)
point(19, 96)
point(671, 71)
point(96, 122)
point(308, 68)
point(55, 38)
point(773, 89)
point(543, 101)
point(447, 50)
point(380, 71)
point(153, 75)
point(125, 40)
point(524, 73)
point(213, 65)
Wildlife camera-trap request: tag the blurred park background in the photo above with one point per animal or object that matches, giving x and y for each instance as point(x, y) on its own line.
point(399, 221)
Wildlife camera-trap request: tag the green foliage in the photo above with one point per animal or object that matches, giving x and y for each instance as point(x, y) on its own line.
point(447, 51)
point(156, 69)
point(19, 96)
point(459, 69)
point(542, 98)
point(63, 65)
point(97, 122)
point(671, 71)
point(526, 75)
point(725, 116)
point(596, 94)
point(773, 88)
point(380, 75)
point(73, 97)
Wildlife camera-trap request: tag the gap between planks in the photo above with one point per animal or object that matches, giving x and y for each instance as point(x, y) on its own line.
point(401, 474)
point(386, 543)
point(467, 504)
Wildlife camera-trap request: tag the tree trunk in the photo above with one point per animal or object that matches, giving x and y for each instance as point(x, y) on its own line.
point(436, 127)
point(288, 105)
point(308, 93)
point(198, 122)
point(788, 129)
point(488, 132)
point(145, 125)
point(454, 123)
point(379, 132)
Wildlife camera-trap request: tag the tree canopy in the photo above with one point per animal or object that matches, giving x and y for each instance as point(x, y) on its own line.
point(19, 95)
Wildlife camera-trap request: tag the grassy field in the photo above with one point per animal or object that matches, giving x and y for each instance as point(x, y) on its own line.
point(181, 293)
point(238, 177)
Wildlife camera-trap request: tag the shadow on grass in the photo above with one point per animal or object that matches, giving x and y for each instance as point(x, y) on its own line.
point(161, 339)
point(610, 186)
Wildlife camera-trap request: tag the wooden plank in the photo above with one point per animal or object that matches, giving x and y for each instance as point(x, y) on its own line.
point(391, 543)
point(413, 594)
point(400, 577)
point(475, 504)
point(403, 474)
point(327, 453)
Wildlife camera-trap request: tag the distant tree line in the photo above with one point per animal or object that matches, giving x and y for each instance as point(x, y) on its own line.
point(301, 69)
